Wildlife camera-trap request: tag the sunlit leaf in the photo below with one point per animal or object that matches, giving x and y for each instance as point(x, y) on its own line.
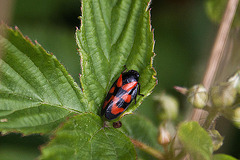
point(36, 92)
point(113, 34)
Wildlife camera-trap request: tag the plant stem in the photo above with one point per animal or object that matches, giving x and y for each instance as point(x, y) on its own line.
point(210, 119)
point(216, 57)
point(155, 153)
point(217, 52)
point(180, 156)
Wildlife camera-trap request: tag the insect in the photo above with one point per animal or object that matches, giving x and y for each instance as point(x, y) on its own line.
point(121, 94)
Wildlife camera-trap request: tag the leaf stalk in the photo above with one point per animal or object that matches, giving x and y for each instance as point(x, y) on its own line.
point(155, 153)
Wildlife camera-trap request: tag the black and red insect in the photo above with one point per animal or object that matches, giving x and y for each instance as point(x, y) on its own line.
point(121, 94)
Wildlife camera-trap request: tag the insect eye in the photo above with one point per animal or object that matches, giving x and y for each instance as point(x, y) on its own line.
point(137, 75)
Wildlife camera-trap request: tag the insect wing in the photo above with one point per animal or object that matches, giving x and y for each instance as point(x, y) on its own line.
point(121, 94)
point(120, 102)
point(111, 94)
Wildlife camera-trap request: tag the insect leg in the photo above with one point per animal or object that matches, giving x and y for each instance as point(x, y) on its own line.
point(135, 99)
point(139, 90)
point(138, 93)
point(125, 68)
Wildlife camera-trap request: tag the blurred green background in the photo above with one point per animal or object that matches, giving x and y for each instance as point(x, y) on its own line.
point(183, 36)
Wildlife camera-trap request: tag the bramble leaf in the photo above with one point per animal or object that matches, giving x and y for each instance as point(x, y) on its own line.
point(195, 140)
point(83, 137)
point(36, 91)
point(113, 34)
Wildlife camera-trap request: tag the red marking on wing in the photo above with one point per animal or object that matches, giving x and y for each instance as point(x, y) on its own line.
point(127, 87)
point(106, 102)
point(112, 90)
point(115, 110)
point(127, 98)
point(119, 82)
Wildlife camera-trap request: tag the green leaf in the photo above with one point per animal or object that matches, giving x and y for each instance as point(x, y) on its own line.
point(141, 129)
point(82, 137)
point(113, 34)
point(36, 92)
point(223, 157)
point(195, 140)
point(216, 8)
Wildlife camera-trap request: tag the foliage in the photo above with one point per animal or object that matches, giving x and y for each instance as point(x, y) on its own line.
point(83, 137)
point(114, 34)
point(37, 93)
point(38, 96)
point(199, 145)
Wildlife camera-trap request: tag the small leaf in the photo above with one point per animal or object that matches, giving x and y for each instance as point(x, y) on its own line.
point(223, 157)
point(113, 34)
point(195, 140)
point(36, 92)
point(216, 8)
point(82, 137)
point(141, 129)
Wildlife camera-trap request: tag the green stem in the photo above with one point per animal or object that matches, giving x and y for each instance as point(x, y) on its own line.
point(155, 153)
point(210, 118)
point(180, 155)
